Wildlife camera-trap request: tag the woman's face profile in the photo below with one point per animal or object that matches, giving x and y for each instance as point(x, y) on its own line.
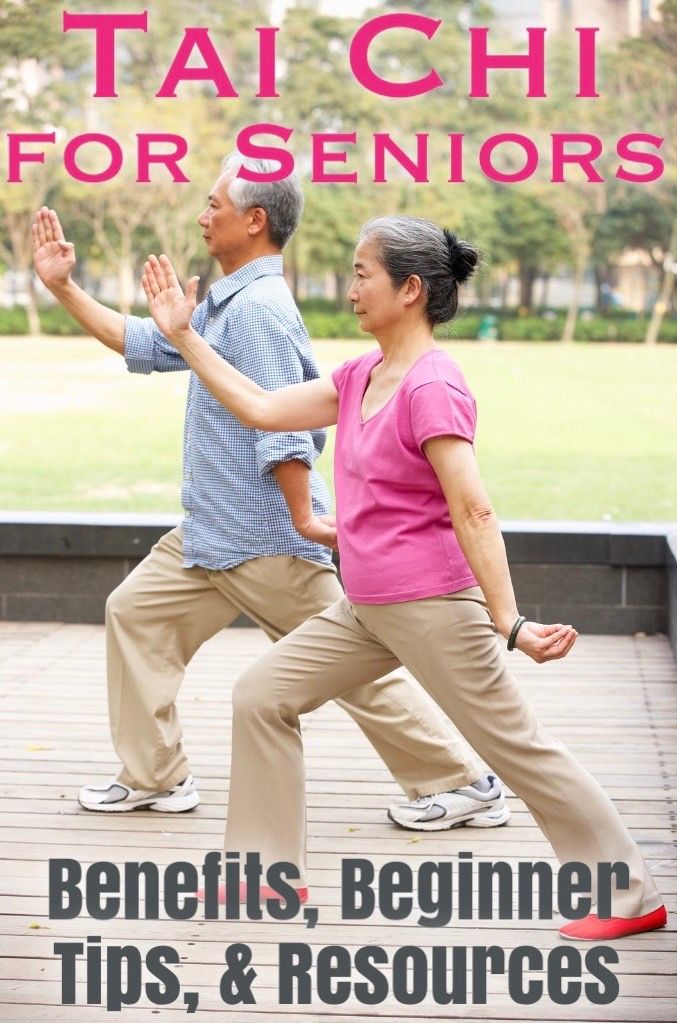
point(375, 300)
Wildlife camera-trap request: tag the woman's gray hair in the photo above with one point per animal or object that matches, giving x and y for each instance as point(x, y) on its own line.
point(282, 200)
point(411, 246)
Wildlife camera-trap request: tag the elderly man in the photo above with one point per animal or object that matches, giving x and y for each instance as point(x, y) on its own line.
point(255, 537)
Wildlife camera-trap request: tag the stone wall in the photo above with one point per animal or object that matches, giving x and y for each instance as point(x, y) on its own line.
point(601, 578)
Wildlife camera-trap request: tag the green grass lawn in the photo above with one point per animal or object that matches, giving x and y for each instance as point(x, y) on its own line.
point(579, 432)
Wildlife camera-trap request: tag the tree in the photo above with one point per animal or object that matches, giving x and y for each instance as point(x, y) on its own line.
point(529, 235)
point(634, 219)
point(645, 83)
point(34, 91)
point(17, 207)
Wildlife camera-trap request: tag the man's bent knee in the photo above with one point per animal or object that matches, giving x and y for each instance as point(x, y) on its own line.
point(121, 602)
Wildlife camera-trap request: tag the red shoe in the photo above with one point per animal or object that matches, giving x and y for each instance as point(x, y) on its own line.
point(265, 893)
point(591, 928)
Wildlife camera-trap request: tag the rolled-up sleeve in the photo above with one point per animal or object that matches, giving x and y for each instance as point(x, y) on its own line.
point(264, 351)
point(147, 350)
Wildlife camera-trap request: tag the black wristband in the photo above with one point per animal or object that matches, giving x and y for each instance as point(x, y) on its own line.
point(515, 629)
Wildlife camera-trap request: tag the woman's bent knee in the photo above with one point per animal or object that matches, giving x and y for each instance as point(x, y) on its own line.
point(257, 696)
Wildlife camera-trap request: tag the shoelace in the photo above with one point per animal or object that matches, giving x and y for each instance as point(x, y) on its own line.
point(425, 802)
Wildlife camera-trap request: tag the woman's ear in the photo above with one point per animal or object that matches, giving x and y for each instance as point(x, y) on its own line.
point(413, 288)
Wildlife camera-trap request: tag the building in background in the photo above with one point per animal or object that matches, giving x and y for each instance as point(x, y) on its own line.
point(616, 19)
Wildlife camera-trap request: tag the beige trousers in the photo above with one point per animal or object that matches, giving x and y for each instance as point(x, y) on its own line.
point(450, 645)
point(162, 613)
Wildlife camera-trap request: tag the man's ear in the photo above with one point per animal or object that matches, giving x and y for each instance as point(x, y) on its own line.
point(258, 219)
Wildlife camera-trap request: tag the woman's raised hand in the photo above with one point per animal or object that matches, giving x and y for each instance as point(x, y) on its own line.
point(545, 642)
point(169, 307)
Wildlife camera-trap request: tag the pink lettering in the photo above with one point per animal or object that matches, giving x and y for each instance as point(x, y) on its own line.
point(73, 148)
point(322, 157)
point(267, 83)
point(247, 147)
point(587, 57)
point(625, 151)
point(456, 158)
point(418, 168)
point(481, 61)
point(169, 159)
point(585, 160)
point(17, 156)
point(359, 55)
point(213, 71)
point(487, 151)
point(105, 26)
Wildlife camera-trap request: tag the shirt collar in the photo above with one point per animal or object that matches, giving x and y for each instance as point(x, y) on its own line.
point(264, 266)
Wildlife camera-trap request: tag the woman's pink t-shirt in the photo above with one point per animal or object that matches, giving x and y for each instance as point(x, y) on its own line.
point(396, 539)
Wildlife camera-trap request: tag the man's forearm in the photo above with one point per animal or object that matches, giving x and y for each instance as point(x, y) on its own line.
point(105, 324)
point(293, 479)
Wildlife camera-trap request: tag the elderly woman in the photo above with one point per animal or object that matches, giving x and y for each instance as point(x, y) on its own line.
point(423, 565)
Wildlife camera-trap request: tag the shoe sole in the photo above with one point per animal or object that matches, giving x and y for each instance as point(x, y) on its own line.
point(490, 819)
point(176, 805)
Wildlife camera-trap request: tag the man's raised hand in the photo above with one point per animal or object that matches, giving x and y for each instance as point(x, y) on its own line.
point(53, 257)
point(169, 307)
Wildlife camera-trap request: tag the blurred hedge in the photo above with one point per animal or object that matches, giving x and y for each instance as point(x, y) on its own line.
point(325, 321)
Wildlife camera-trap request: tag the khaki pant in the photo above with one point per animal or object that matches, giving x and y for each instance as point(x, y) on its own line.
point(449, 645)
point(162, 613)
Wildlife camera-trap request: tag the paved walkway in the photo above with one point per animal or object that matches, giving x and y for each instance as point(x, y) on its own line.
point(614, 701)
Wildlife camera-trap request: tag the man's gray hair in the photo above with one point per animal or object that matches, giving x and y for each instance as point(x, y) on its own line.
point(410, 246)
point(282, 200)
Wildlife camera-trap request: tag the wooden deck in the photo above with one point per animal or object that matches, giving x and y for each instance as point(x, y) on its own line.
point(614, 701)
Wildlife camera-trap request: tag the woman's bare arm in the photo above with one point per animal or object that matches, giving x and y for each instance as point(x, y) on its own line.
point(304, 406)
point(479, 535)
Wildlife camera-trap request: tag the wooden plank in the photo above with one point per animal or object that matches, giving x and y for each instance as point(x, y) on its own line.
point(647, 953)
point(203, 976)
point(625, 1010)
point(57, 741)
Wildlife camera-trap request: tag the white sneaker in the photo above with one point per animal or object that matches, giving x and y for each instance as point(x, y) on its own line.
point(470, 806)
point(114, 797)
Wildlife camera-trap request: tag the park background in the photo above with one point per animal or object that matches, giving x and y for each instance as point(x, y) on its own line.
point(567, 337)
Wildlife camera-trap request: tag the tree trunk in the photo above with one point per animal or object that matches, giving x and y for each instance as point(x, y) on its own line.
point(505, 284)
point(665, 297)
point(599, 290)
point(575, 301)
point(34, 326)
point(528, 276)
point(126, 287)
point(545, 282)
point(292, 267)
point(340, 283)
point(603, 277)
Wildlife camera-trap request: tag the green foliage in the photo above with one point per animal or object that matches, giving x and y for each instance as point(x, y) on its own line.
point(323, 320)
point(466, 326)
point(530, 328)
point(331, 325)
point(55, 320)
point(600, 328)
point(13, 321)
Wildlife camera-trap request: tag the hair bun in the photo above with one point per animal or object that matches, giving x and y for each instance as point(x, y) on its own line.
point(463, 257)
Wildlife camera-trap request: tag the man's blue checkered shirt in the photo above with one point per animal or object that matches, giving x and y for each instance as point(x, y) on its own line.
point(234, 508)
